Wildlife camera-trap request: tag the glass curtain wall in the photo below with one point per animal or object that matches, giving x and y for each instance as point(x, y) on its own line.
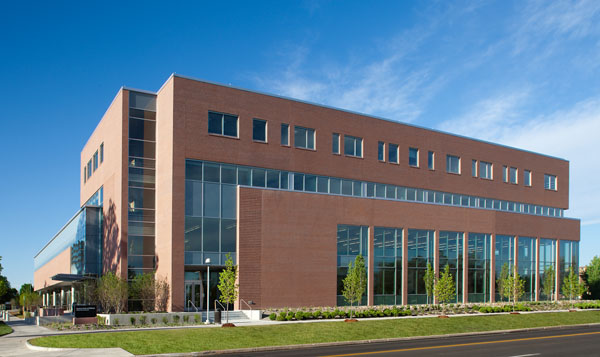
point(569, 260)
point(388, 266)
point(420, 252)
point(479, 267)
point(547, 260)
point(351, 242)
point(526, 266)
point(451, 254)
point(505, 255)
point(210, 211)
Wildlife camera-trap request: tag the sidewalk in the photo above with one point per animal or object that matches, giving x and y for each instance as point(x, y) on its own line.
point(14, 344)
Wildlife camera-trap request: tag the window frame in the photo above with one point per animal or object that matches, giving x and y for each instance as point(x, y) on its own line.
point(410, 151)
point(285, 128)
point(504, 173)
point(431, 160)
point(487, 165)
point(448, 157)
point(266, 131)
point(381, 151)
point(222, 133)
point(548, 184)
point(335, 143)
point(397, 153)
point(514, 170)
point(527, 178)
point(101, 153)
point(474, 168)
point(306, 141)
point(356, 141)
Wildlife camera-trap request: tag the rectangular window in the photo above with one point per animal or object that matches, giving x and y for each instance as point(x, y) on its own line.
point(102, 153)
point(485, 170)
point(527, 177)
point(474, 168)
point(84, 174)
point(393, 153)
point(95, 160)
point(381, 151)
point(453, 164)
point(89, 169)
point(505, 173)
point(335, 143)
point(430, 158)
point(259, 130)
point(304, 138)
point(352, 146)
point(413, 157)
point(513, 175)
point(223, 124)
point(550, 182)
point(285, 134)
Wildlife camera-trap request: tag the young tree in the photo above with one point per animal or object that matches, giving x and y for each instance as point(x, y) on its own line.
point(593, 278)
point(162, 294)
point(29, 299)
point(227, 284)
point(572, 287)
point(112, 292)
point(549, 281)
point(514, 288)
point(444, 288)
point(429, 280)
point(143, 288)
point(501, 279)
point(355, 282)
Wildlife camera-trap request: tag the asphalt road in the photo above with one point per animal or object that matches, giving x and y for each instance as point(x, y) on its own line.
point(574, 341)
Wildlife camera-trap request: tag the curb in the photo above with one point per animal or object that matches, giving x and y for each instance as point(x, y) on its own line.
point(46, 349)
point(349, 343)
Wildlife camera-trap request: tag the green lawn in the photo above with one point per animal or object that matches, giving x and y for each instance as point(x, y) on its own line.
point(202, 339)
point(4, 330)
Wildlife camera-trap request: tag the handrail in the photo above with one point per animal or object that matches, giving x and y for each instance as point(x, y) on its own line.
point(244, 301)
point(190, 302)
point(217, 301)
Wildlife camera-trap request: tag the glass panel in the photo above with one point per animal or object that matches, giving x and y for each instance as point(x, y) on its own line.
point(228, 235)
point(272, 179)
point(228, 202)
point(244, 176)
point(323, 184)
point(228, 174)
point(193, 234)
point(230, 125)
point(258, 177)
point(212, 195)
point(212, 172)
point(211, 235)
point(142, 129)
point(259, 130)
point(141, 149)
point(285, 134)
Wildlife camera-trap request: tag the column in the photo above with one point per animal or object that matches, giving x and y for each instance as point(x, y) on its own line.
point(537, 269)
point(405, 266)
point(516, 255)
point(493, 268)
point(557, 269)
point(436, 257)
point(73, 294)
point(54, 298)
point(371, 265)
point(62, 297)
point(465, 268)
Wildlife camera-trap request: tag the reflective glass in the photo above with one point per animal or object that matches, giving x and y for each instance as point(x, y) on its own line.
point(212, 194)
point(259, 130)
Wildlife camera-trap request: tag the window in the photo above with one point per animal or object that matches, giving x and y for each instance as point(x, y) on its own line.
point(413, 157)
point(95, 160)
point(453, 164)
point(430, 158)
point(505, 173)
point(393, 153)
point(485, 170)
point(513, 175)
point(335, 143)
point(304, 138)
point(474, 168)
point(381, 151)
point(84, 174)
point(285, 134)
point(527, 177)
point(550, 182)
point(352, 146)
point(223, 124)
point(102, 153)
point(259, 130)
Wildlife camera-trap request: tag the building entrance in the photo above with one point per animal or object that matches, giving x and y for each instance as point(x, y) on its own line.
point(194, 295)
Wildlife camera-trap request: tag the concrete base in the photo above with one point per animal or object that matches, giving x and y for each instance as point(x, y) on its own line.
point(84, 320)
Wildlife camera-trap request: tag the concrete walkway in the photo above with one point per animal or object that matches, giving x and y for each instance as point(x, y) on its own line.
point(14, 344)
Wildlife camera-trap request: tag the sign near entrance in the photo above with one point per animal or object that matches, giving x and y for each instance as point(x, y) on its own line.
point(85, 311)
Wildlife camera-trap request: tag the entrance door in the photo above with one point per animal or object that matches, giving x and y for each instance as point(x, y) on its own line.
point(193, 295)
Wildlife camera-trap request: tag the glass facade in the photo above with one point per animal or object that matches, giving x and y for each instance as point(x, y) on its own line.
point(420, 252)
point(210, 209)
point(479, 267)
point(387, 266)
point(547, 260)
point(504, 251)
point(141, 184)
point(569, 260)
point(526, 266)
point(451, 253)
point(351, 242)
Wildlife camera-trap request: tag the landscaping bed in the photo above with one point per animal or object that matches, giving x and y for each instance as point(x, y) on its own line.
point(4, 329)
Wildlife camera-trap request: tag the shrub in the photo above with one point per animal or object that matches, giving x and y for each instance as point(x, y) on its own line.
point(165, 320)
point(280, 317)
point(299, 315)
point(176, 318)
point(283, 315)
point(197, 318)
point(132, 320)
point(101, 320)
point(186, 318)
point(387, 312)
point(153, 320)
point(317, 314)
point(273, 316)
point(142, 319)
point(289, 317)
point(116, 322)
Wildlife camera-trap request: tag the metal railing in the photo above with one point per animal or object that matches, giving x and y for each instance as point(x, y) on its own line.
point(190, 302)
point(244, 301)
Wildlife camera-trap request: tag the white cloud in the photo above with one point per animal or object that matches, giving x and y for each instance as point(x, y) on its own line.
point(572, 134)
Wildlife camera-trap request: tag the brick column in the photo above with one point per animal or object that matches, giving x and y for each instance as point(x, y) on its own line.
point(537, 269)
point(405, 266)
point(465, 289)
point(371, 265)
point(493, 269)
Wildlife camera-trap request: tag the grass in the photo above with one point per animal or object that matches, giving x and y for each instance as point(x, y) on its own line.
point(4, 329)
point(202, 339)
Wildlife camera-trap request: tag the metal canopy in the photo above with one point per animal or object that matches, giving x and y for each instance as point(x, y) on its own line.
point(70, 277)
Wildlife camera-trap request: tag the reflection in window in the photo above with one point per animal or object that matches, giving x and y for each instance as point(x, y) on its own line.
point(452, 164)
point(419, 254)
point(351, 241)
point(222, 124)
point(352, 146)
point(387, 266)
point(304, 138)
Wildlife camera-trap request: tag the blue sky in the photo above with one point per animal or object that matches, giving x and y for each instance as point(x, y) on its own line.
point(520, 73)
